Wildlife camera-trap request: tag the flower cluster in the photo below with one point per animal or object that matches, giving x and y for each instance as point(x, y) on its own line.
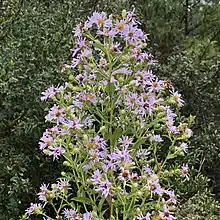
point(116, 124)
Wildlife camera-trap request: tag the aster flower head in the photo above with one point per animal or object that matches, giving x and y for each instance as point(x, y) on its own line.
point(184, 146)
point(142, 217)
point(73, 124)
point(49, 93)
point(96, 177)
point(172, 196)
point(142, 153)
point(154, 187)
point(178, 99)
point(43, 194)
point(156, 138)
point(96, 18)
point(34, 209)
point(56, 151)
point(104, 187)
point(125, 141)
point(185, 171)
point(166, 214)
point(71, 214)
point(131, 100)
point(88, 216)
point(56, 113)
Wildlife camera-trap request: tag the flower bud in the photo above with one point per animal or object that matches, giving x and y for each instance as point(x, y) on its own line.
point(124, 13)
point(171, 100)
point(76, 88)
point(38, 211)
point(139, 193)
point(157, 206)
point(161, 114)
point(103, 128)
point(63, 173)
point(123, 112)
point(135, 185)
point(121, 79)
point(58, 96)
point(80, 68)
point(177, 171)
point(131, 83)
point(66, 163)
point(138, 210)
point(85, 138)
point(46, 151)
point(72, 78)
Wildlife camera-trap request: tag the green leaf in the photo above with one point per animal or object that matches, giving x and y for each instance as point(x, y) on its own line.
point(140, 142)
point(171, 156)
point(118, 132)
point(110, 89)
point(83, 200)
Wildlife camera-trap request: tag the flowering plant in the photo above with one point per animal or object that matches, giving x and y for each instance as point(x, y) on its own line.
point(117, 127)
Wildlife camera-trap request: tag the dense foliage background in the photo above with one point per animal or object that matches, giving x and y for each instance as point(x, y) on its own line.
point(36, 40)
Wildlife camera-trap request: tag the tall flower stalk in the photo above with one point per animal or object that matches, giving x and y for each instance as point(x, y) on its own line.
point(116, 125)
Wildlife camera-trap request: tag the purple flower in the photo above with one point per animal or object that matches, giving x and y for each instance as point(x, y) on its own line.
point(96, 177)
point(96, 18)
point(125, 141)
point(42, 195)
point(172, 196)
point(81, 78)
point(75, 62)
point(123, 71)
point(177, 97)
point(154, 187)
point(81, 42)
point(120, 26)
point(155, 85)
point(131, 17)
point(108, 23)
point(85, 52)
point(166, 214)
point(142, 217)
point(142, 153)
point(189, 132)
point(97, 143)
point(185, 171)
point(121, 156)
point(124, 175)
point(156, 138)
point(133, 34)
point(131, 99)
point(75, 123)
point(110, 163)
point(71, 214)
point(56, 151)
point(46, 140)
point(87, 96)
point(63, 184)
point(88, 216)
point(97, 154)
point(78, 30)
point(184, 146)
point(146, 105)
point(49, 93)
point(56, 113)
point(34, 209)
point(148, 170)
point(104, 187)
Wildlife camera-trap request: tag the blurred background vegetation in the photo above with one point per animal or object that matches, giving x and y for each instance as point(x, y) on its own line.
point(35, 42)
